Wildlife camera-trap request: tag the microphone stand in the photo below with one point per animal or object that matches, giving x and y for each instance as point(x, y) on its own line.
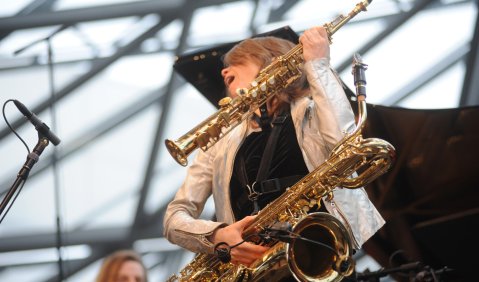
point(375, 275)
point(22, 175)
point(59, 240)
point(416, 269)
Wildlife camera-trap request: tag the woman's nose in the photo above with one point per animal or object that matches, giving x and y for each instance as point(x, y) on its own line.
point(224, 72)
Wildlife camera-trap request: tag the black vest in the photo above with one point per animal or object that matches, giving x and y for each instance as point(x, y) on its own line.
point(286, 168)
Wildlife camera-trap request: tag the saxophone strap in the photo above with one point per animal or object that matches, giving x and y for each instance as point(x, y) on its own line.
point(263, 120)
point(270, 185)
point(276, 184)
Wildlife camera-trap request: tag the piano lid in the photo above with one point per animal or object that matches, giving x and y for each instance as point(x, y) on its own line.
point(430, 196)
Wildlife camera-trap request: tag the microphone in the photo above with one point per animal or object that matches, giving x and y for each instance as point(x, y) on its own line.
point(280, 231)
point(40, 126)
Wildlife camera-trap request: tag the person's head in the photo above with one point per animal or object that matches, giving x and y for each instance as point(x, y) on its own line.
point(244, 61)
point(122, 266)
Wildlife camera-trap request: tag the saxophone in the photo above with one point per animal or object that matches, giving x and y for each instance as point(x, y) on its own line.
point(275, 77)
point(353, 163)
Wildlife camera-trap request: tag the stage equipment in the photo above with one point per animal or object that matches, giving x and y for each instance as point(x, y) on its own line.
point(353, 163)
point(277, 76)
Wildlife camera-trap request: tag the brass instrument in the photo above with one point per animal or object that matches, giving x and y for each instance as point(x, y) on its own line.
point(275, 77)
point(353, 163)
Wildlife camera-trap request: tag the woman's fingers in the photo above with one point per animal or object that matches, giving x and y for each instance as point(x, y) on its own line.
point(247, 253)
point(315, 43)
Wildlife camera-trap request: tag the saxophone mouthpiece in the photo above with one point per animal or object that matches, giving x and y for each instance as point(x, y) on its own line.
point(364, 4)
point(359, 75)
point(357, 59)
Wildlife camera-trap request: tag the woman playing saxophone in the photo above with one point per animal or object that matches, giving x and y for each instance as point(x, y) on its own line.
point(296, 130)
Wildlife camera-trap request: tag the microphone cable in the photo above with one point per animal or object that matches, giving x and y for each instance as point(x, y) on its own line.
point(9, 126)
point(272, 233)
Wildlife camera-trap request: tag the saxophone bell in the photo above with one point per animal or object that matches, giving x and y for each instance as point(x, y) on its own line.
point(207, 133)
point(179, 151)
point(316, 262)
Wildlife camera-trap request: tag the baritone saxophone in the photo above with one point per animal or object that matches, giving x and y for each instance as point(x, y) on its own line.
point(272, 79)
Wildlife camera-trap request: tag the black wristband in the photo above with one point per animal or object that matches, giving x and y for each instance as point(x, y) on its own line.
point(223, 253)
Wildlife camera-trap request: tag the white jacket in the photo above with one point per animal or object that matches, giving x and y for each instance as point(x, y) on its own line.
point(320, 121)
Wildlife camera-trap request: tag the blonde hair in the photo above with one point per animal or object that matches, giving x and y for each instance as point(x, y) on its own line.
point(262, 51)
point(112, 264)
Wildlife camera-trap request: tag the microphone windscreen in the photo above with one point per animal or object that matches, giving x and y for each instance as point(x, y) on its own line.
point(22, 108)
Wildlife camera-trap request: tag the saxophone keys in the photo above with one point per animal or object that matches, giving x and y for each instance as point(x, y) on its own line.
point(225, 101)
point(271, 80)
point(263, 86)
point(241, 91)
point(202, 140)
point(303, 205)
point(329, 196)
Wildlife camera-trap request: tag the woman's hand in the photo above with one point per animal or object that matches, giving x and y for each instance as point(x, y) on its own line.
point(246, 253)
point(315, 43)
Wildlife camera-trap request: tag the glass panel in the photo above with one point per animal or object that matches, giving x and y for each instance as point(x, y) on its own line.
point(102, 182)
point(34, 209)
point(105, 95)
point(190, 108)
point(443, 92)
point(10, 8)
point(206, 30)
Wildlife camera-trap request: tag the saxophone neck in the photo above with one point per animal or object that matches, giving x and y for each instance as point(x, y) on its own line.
point(341, 20)
point(359, 75)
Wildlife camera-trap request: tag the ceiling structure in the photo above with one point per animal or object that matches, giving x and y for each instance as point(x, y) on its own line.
point(112, 97)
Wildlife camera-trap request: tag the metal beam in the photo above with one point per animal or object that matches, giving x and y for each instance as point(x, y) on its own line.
point(32, 8)
point(470, 89)
point(165, 8)
point(94, 237)
point(74, 16)
point(277, 14)
point(91, 237)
